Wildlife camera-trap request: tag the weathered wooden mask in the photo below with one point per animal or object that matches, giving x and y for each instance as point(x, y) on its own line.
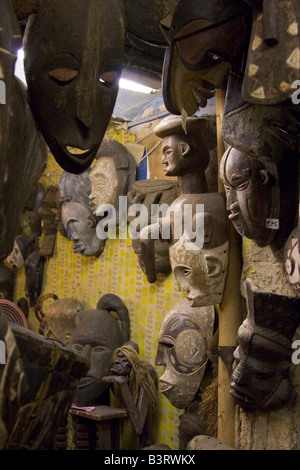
point(77, 217)
point(96, 337)
point(262, 131)
point(57, 320)
point(112, 175)
point(260, 378)
point(201, 271)
point(182, 349)
point(73, 60)
point(253, 196)
point(207, 38)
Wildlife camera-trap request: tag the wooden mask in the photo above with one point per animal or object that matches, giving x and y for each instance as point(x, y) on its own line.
point(73, 78)
point(182, 349)
point(207, 38)
point(252, 192)
point(96, 337)
point(260, 378)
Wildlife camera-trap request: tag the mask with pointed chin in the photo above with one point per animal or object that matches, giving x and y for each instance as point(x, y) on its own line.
point(73, 61)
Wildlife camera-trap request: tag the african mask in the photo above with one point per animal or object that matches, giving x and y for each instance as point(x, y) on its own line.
point(149, 192)
point(96, 337)
point(207, 39)
point(185, 152)
point(20, 252)
point(200, 271)
point(252, 192)
point(80, 225)
point(7, 283)
point(112, 175)
point(264, 132)
point(274, 45)
point(182, 349)
point(73, 79)
point(260, 378)
point(79, 221)
point(57, 320)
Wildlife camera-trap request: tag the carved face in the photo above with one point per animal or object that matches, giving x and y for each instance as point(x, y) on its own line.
point(173, 152)
point(104, 181)
point(96, 337)
point(200, 274)
point(19, 253)
point(60, 319)
point(182, 347)
point(73, 78)
point(205, 44)
point(201, 271)
point(261, 368)
point(80, 225)
point(249, 187)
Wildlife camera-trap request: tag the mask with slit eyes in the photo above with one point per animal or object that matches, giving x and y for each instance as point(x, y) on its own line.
point(73, 61)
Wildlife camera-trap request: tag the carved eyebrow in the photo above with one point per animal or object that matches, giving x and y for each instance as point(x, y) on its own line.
point(237, 176)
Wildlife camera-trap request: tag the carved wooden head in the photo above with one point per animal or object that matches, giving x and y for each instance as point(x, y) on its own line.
point(182, 350)
point(73, 77)
point(253, 196)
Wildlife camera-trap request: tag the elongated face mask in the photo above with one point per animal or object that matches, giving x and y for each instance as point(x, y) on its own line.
point(182, 350)
point(73, 60)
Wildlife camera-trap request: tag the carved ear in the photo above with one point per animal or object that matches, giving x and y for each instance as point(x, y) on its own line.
point(185, 148)
point(214, 266)
point(264, 175)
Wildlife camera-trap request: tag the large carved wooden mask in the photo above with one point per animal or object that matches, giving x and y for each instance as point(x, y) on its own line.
point(73, 61)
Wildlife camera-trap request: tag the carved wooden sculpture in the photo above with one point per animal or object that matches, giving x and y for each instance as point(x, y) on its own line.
point(36, 388)
point(96, 337)
point(73, 83)
point(148, 192)
point(253, 195)
point(185, 153)
point(21, 250)
point(77, 217)
point(57, 321)
point(112, 175)
point(207, 39)
point(260, 378)
point(182, 349)
point(195, 263)
point(137, 386)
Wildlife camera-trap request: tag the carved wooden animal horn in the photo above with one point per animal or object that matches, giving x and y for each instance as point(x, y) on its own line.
point(112, 302)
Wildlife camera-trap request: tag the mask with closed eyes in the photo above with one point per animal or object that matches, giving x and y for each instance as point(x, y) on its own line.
point(73, 61)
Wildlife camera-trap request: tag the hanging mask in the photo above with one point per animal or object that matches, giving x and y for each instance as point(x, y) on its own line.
point(207, 39)
point(73, 61)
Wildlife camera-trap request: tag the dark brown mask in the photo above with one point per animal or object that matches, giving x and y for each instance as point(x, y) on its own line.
point(73, 78)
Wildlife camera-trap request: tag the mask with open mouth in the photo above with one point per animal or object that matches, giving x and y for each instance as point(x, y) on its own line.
point(206, 40)
point(73, 78)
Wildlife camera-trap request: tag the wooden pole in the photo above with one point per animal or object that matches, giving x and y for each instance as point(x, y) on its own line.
point(230, 311)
